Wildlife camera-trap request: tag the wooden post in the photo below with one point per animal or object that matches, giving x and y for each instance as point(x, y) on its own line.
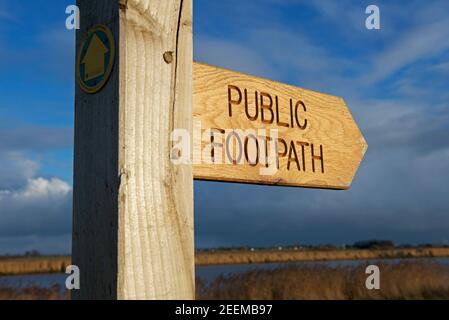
point(133, 209)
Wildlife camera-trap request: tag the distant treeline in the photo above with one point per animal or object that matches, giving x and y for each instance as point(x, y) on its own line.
point(365, 245)
point(359, 245)
point(368, 251)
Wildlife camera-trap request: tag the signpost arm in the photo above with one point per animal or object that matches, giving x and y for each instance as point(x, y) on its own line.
point(133, 208)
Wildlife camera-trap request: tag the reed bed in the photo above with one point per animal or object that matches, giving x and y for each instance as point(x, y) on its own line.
point(41, 265)
point(33, 265)
point(399, 281)
point(403, 280)
point(279, 256)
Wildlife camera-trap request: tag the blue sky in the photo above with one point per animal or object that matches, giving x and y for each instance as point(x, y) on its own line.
point(394, 80)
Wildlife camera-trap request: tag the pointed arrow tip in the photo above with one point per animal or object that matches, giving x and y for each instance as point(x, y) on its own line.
point(364, 144)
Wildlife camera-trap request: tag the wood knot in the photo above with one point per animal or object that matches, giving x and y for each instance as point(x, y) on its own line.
point(123, 5)
point(168, 57)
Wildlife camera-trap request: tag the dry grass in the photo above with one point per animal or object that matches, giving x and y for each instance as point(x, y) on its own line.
point(39, 265)
point(271, 256)
point(405, 280)
point(31, 265)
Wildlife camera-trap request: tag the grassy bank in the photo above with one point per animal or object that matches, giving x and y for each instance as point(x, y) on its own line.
point(271, 256)
point(37, 265)
point(33, 265)
point(405, 280)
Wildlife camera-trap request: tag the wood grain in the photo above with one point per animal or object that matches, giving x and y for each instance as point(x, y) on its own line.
point(156, 198)
point(134, 208)
point(330, 132)
point(96, 179)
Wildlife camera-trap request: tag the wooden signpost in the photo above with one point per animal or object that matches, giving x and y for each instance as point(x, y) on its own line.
point(133, 206)
point(318, 143)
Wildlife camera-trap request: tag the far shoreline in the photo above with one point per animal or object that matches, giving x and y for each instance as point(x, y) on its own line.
point(10, 266)
point(314, 255)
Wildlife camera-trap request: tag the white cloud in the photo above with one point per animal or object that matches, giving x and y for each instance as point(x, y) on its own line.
point(422, 42)
point(41, 206)
point(38, 189)
point(31, 207)
point(15, 170)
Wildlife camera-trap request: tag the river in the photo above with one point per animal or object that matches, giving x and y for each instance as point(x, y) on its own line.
point(206, 273)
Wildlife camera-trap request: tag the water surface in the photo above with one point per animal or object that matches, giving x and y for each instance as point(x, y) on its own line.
point(209, 273)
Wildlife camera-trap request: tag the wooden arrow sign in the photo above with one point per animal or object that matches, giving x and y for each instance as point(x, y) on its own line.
point(258, 131)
